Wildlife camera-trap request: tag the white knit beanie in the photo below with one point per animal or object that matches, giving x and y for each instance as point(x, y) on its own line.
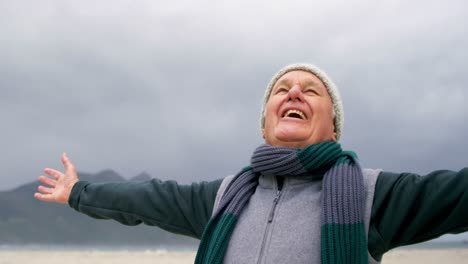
point(331, 88)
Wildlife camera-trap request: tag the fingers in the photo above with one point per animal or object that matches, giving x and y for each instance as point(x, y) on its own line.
point(44, 197)
point(57, 189)
point(67, 163)
point(47, 181)
point(54, 173)
point(69, 167)
point(45, 190)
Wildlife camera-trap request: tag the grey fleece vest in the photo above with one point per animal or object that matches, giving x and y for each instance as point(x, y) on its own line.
point(284, 227)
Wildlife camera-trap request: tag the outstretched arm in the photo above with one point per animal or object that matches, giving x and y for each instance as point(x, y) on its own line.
point(409, 208)
point(182, 209)
point(60, 185)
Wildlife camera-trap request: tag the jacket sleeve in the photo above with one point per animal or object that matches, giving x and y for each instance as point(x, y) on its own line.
point(409, 208)
point(181, 209)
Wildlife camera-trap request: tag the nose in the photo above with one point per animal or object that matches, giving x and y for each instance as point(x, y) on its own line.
point(295, 93)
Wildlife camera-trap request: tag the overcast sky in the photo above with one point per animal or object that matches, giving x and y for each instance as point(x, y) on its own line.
point(174, 88)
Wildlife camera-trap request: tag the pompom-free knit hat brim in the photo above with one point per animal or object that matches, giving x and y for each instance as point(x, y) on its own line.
point(331, 88)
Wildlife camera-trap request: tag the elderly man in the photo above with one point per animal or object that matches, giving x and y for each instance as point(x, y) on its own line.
point(301, 200)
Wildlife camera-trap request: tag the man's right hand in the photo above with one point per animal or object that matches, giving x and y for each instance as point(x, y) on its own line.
point(60, 185)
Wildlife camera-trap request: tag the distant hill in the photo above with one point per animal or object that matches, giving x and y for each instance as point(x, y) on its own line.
point(26, 220)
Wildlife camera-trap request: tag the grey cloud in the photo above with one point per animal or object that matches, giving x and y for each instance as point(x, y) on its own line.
point(175, 89)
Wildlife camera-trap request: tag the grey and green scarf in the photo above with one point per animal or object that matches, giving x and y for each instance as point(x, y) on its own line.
point(343, 237)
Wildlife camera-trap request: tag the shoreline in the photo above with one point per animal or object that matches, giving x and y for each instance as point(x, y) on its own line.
point(184, 248)
point(76, 256)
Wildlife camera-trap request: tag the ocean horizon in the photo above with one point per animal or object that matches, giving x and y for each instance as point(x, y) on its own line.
point(182, 248)
point(453, 252)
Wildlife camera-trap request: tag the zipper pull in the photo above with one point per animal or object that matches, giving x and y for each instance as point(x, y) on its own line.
point(275, 202)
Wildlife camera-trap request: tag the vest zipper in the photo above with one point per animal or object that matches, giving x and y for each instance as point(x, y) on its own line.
point(271, 215)
point(275, 203)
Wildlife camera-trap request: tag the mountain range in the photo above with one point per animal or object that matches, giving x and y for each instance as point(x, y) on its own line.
point(26, 220)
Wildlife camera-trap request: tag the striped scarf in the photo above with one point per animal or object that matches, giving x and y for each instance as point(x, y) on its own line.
point(343, 237)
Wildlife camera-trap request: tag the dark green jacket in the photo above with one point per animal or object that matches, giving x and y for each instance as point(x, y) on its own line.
point(407, 208)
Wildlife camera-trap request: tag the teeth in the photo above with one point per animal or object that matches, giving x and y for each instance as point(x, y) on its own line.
point(293, 111)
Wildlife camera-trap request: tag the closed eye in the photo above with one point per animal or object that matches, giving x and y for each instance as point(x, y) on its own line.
point(311, 91)
point(281, 90)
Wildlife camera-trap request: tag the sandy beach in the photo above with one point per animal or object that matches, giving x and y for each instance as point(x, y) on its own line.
point(427, 256)
point(400, 256)
point(96, 257)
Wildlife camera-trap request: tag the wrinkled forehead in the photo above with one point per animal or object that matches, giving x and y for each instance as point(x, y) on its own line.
point(299, 77)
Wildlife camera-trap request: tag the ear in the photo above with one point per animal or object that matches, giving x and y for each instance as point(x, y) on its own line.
point(334, 137)
point(263, 133)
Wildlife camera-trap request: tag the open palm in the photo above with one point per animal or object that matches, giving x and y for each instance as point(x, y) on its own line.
point(60, 185)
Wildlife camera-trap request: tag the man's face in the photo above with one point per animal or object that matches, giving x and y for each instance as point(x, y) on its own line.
point(299, 112)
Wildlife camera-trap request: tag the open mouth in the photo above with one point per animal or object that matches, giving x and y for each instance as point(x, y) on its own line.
point(293, 113)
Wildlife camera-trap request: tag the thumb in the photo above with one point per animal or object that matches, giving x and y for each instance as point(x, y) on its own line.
point(67, 163)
